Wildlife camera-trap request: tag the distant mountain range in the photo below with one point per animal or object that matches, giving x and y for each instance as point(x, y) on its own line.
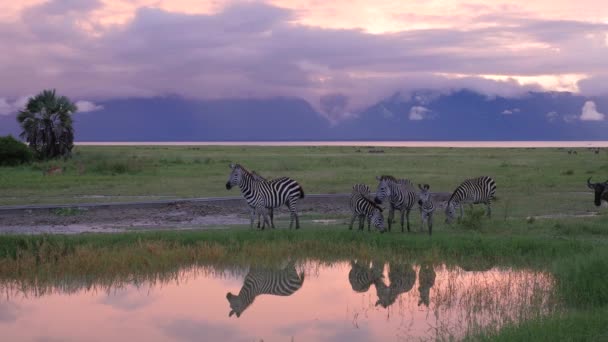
point(422, 115)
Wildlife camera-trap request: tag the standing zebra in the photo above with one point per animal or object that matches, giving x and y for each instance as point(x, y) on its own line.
point(426, 280)
point(273, 194)
point(361, 276)
point(357, 191)
point(427, 207)
point(259, 177)
point(265, 281)
point(401, 196)
point(475, 190)
point(364, 207)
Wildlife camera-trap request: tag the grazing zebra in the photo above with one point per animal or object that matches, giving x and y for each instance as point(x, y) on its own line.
point(261, 281)
point(474, 190)
point(426, 280)
point(401, 278)
point(364, 207)
point(273, 194)
point(358, 190)
point(401, 196)
point(259, 177)
point(361, 276)
point(427, 207)
point(600, 190)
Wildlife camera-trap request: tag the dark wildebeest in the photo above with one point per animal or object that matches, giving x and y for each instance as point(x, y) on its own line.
point(600, 189)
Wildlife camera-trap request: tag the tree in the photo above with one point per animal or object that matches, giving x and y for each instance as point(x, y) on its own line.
point(46, 121)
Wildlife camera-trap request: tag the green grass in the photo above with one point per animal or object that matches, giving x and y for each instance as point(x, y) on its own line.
point(528, 179)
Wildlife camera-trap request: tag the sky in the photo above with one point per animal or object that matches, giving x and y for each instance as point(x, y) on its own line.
point(340, 55)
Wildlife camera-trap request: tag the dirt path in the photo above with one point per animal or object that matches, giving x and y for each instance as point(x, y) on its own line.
point(180, 215)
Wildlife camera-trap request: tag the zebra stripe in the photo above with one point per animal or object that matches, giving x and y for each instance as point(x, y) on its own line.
point(272, 194)
point(259, 212)
point(363, 207)
point(427, 207)
point(401, 196)
point(361, 276)
point(426, 280)
point(402, 279)
point(475, 191)
point(261, 281)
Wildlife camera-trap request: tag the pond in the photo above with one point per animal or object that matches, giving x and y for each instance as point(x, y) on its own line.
point(303, 301)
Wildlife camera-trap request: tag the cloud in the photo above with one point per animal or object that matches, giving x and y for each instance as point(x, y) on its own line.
point(590, 113)
point(418, 113)
point(87, 106)
point(259, 50)
point(11, 107)
point(194, 330)
point(510, 111)
point(552, 116)
point(128, 299)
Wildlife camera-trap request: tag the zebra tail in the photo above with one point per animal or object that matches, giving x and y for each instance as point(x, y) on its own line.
point(301, 192)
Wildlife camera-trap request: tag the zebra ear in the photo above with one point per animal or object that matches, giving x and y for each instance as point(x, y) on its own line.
point(228, 295)
point(420, 187)
point(426, 186)
point(232, 313)
point(378, 177)
point(231, 166)
point(377, 302)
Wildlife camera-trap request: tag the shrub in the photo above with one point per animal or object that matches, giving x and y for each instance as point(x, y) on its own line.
point(13, 152)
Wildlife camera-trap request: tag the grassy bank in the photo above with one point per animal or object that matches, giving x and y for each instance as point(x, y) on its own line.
point(527, 179)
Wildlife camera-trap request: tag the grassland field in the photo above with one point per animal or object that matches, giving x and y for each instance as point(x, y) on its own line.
point(533, 184)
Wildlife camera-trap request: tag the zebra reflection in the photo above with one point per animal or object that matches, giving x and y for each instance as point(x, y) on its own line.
point(426, 280)
point(362, 276)
point(261, 281)
point(401, 280)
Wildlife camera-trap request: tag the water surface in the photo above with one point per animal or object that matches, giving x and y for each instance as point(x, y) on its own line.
point(347, 301)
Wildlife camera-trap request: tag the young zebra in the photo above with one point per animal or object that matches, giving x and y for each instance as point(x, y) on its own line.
point(261, 212)
point(361, 276)
point(273, 194)
point(474, 190)
point(400, 195)
point(359, 190)
point(265, 281)
point(363, 207)
point(427, 207)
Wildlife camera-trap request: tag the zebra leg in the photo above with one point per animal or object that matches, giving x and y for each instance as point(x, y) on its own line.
point(350, 227)
point(391, 216)
point(272, 218)
point(369, 224)
point(489, 210)
point(407, 219)
point(361, 222)
point(252, 217)
point(294, 215)
point(461, 212)
point(430, 223)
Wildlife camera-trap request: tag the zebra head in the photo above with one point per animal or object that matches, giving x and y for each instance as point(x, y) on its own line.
point(450, 212)
point(236, 305)
point(378, 219)
point(235, 176)
point(424, 196)
point(383, 191)
point(600, 190)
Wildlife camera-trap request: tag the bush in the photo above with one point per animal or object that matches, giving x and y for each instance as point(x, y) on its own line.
point(14, 152)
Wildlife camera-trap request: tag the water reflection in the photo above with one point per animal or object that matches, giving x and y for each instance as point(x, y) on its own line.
point(337, 302)
point(261, 281)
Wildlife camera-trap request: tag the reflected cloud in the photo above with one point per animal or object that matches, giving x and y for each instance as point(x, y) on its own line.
point(128, 299)
point(195, 330)
point(9, 312)
point(326, 331)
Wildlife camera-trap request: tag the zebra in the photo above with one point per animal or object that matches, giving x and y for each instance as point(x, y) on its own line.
point(361, 276)
point(359, 189)
point(475, 190)
point(401, 196)
point(427, 207)
point(259, 177)
point(426, 280)
point(273, 194)
point(364, 207)
point(259, 281)
point(601, 191)
point(401, 280)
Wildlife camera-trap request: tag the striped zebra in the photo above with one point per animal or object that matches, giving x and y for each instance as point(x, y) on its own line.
point(427, 207)
point(261, 281)
point(358, 190)
point(401, 196)
point(272, 194)
point(401, 280)
point(475, 190)
point(426, 280)
point(259, 177)
point(364, 207)
point(361, 276)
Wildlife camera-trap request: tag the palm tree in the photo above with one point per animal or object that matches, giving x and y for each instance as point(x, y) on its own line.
point(47, 124)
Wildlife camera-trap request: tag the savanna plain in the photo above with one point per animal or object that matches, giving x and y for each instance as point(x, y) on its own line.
point(543, 221)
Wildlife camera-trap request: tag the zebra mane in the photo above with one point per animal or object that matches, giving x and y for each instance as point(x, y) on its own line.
point(388, 178)
point(372, 203)
point(239, 166)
